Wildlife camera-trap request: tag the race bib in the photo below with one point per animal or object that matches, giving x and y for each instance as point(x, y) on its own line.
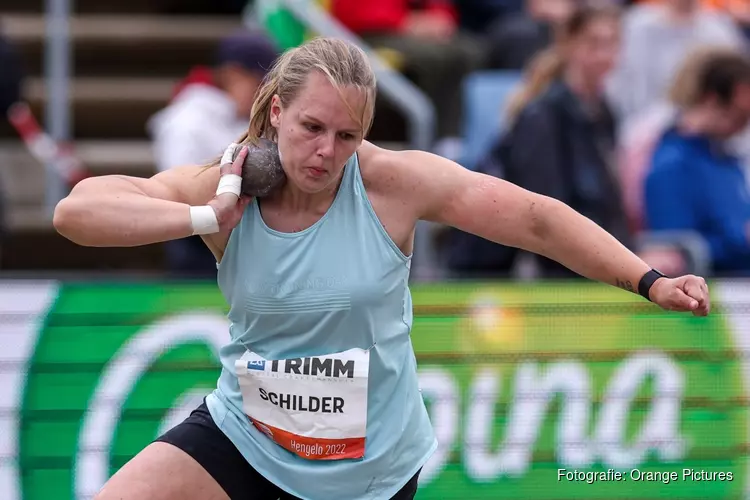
point(315, 407)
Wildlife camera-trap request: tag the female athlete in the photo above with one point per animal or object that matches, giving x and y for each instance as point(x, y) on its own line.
point(318, 397)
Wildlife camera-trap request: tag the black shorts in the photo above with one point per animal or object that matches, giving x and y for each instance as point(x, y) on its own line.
point(201, 438)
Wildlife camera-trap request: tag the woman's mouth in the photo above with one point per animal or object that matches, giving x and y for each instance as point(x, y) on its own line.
point(316, 172)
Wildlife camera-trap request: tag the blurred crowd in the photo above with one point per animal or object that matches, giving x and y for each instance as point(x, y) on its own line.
point(635, 113)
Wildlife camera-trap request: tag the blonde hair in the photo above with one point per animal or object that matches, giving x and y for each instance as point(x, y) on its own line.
point(543, 69)
point(549, 65)
point(343, 63)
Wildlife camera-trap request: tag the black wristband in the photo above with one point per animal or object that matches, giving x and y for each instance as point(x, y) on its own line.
point(648, 280)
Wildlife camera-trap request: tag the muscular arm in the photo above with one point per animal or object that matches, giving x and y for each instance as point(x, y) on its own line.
point(117, 210)
point(445, 192)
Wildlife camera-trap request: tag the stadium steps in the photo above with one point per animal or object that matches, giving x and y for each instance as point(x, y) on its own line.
point(107, 107)
point(127, 57)
point(124, 45)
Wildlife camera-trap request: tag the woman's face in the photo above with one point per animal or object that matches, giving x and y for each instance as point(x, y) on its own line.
point(594, 51)
point(317, 132)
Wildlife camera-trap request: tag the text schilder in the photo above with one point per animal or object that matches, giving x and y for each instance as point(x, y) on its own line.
point(296, 402)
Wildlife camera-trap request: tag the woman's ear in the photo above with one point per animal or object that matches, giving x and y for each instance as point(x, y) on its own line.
point(275, 111)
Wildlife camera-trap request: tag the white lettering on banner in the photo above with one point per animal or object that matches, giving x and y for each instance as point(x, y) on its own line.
point(659, 431)
point(533, 393)
point(121, 374)
point(315, 406)
point(23, 308)
point(534, 388)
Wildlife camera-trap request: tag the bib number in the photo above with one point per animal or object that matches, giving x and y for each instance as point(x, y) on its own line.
point(315, 407)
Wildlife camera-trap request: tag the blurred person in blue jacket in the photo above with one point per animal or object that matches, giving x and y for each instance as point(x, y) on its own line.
point(210, 108)
point(695, 181)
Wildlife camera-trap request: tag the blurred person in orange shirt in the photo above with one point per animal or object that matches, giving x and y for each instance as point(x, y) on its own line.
point(738, 9)
point(657, 37)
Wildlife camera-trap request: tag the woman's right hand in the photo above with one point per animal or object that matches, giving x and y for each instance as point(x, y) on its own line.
point(228, 206)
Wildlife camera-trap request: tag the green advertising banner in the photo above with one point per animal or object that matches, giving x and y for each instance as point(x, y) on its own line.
point(574, 391)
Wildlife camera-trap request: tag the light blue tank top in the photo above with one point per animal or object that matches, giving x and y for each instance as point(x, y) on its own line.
point(340, 284)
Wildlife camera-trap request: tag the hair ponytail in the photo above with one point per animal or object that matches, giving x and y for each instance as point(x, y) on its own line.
point(544, 68)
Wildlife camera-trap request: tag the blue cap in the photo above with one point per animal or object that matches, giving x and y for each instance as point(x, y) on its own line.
point(252, 51)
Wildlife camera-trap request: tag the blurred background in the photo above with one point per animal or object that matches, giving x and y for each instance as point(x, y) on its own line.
point(635, 113)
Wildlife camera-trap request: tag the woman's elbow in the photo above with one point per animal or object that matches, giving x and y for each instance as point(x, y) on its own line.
point(70, 219)
point(543, 211)
point(64, 219)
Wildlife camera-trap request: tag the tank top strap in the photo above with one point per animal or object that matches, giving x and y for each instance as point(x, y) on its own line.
point(351, 192)
point(351, 175)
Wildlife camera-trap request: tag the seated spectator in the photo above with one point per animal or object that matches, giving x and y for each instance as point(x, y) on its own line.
point(695, 183)
point(209, 110)
point(561, 141)
point(435, 55)
point(516, 38)
point(656, 39)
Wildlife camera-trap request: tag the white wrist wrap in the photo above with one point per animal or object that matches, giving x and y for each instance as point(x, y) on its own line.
point(228, 154)
point(204, 220)
point(229, 183)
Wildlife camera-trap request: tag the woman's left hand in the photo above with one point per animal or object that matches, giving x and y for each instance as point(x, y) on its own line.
point(686, 293)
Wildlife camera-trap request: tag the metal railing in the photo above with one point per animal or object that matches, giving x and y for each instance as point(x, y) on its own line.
point(57, 75)
point(418, 110)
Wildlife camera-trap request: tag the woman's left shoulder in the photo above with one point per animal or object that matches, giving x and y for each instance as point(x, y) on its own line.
point(385, 169)
point(417, 180)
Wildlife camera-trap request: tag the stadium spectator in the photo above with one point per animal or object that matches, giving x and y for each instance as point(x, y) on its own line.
point(656, 39)
point(516, 38)
point(435, 55)
point(739, 10)
point(695, 182)
point(561, 139)
point(209, 110)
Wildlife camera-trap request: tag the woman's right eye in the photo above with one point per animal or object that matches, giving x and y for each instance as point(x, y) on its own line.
point(312, 127)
